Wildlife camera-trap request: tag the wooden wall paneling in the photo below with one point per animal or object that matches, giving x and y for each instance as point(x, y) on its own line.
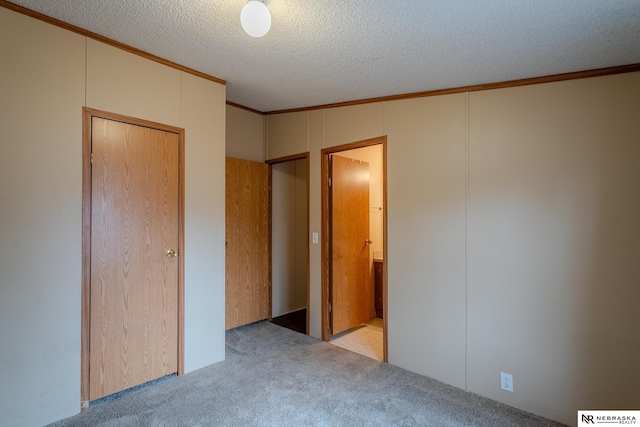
point(248, 242)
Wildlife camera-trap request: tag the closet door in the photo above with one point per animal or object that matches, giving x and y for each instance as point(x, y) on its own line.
point(248, 277)
point(135, 191)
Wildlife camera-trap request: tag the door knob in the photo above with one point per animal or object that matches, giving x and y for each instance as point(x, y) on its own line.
point(368, 242)
point(171, 253)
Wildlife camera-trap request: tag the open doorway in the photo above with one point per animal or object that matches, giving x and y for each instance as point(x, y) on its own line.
point(290, 242)
point(354, 247)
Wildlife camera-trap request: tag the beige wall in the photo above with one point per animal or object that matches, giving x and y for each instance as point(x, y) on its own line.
point(315, 144)
point(162, 94)
point(142, 88)
point(295, 133)
point(43, 91)
point(512, 227)
point(289, 237)
point(426, 232)
point(203, 118)
point(288, 133)
point(42, 83)
point(245, 134)
point(348, 124)
point(302, 233)
point(553, 279)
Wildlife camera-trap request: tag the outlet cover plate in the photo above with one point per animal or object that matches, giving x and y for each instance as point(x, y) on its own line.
point(506, 382)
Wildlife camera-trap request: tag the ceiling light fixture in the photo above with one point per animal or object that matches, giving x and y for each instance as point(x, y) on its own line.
point(255, 18)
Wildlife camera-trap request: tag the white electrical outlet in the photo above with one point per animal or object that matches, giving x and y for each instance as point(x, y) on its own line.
point(314, 238)
point(506, 382)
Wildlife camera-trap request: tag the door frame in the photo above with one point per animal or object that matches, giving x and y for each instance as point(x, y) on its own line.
point(326, 235)
point(271, 162)
point(87, 115)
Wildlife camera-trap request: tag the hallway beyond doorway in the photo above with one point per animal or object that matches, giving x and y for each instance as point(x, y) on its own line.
point(296, 321)
point(365, 339)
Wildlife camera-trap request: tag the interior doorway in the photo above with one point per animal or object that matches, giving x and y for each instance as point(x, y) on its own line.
point(350, 293)
point(290, 242)
point(132, 243)
point(354, 284)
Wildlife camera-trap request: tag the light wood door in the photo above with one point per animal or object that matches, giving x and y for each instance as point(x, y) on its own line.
point(248, 290)
point(350, 284)
point(134, 284)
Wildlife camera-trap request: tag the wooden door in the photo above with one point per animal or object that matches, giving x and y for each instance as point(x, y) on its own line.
point(349, 206)
point(134, 284)
point(248, 273)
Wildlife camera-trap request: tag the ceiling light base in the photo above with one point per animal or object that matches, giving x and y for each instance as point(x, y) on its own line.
point(256, 18)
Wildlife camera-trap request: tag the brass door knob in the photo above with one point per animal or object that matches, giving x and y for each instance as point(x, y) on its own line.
point(171, 253)
point(368, 242)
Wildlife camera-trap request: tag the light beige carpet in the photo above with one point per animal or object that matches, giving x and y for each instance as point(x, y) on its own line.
point(276, 377)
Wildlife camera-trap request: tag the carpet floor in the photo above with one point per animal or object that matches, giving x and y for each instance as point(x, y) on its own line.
point(276, 377)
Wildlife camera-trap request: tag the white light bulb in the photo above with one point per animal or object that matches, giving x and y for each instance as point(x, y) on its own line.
point(255, 18)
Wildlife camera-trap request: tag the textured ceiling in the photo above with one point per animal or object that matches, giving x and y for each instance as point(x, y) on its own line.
point(329, 51)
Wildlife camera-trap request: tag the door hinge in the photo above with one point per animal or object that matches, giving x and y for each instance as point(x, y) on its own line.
point(91, 158)
point(329, 307)
point(329, 181)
